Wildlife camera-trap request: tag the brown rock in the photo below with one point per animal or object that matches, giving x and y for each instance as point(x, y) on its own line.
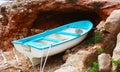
point(109, 42)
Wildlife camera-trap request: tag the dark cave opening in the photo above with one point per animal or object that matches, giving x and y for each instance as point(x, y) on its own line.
point(52, 19)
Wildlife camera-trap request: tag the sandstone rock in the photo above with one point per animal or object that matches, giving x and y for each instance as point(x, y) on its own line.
point(104, 61)
point(113, 22)
point(116, 52)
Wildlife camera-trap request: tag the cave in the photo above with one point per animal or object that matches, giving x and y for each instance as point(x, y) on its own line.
point(52, 19)
point(24, 18)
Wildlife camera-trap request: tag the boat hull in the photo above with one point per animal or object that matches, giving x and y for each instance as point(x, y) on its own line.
point(35, 54)
point(32, 52)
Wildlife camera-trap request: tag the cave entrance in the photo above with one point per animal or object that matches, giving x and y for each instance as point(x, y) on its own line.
point(52, 19)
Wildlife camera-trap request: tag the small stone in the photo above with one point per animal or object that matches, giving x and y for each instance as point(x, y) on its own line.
point(67, 69)
point(21, 11)
point(101, 26)
point(30, 11)
point(62, 1)
point(1, 16)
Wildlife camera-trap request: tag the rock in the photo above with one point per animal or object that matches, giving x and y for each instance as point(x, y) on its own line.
point(109, 42)
point(34, 14)
point(104, 61)
point(1, 16)
point(116, 52)
point(61, 1)
point(82, 59)
point(101, 26)
point(67, 69)
point(112, 24)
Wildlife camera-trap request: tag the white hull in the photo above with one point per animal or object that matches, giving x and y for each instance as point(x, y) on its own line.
point(35, 54)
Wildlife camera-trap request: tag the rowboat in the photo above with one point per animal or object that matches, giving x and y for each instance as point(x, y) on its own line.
point(53, 41)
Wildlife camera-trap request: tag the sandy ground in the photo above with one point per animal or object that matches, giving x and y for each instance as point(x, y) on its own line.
point(10, 64)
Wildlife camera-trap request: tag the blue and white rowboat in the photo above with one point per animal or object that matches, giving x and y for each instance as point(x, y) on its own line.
point(55, 41)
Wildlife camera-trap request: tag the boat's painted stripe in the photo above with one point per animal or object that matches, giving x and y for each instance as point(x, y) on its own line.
point(69, 34)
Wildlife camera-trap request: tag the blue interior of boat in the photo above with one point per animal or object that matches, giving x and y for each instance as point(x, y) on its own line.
point(31, 40)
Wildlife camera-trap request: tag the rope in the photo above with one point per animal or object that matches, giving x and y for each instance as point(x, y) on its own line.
point(46, 58)
point(41, 60)
point(16, 57)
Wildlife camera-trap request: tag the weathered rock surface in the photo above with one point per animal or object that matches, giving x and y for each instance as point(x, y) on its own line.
point(113, 22)
point(18, 18)
point(81, 60)
point(104, 61)
point(67, 69)
point(116, 52)
point(28, 17)
point(109, 42)
point(101, 26)
point(85, 57)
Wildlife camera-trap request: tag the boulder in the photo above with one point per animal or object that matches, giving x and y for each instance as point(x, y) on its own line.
point(116, 52)
point(112, 24)
point(104, 61)
point(81, 59)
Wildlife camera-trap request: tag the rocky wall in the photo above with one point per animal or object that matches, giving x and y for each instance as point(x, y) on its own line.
point(27, 17)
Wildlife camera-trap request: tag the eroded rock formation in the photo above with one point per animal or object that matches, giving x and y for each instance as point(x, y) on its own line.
point(27, 17)
point(116, 54)
point(113, 22)
point(23, 18)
